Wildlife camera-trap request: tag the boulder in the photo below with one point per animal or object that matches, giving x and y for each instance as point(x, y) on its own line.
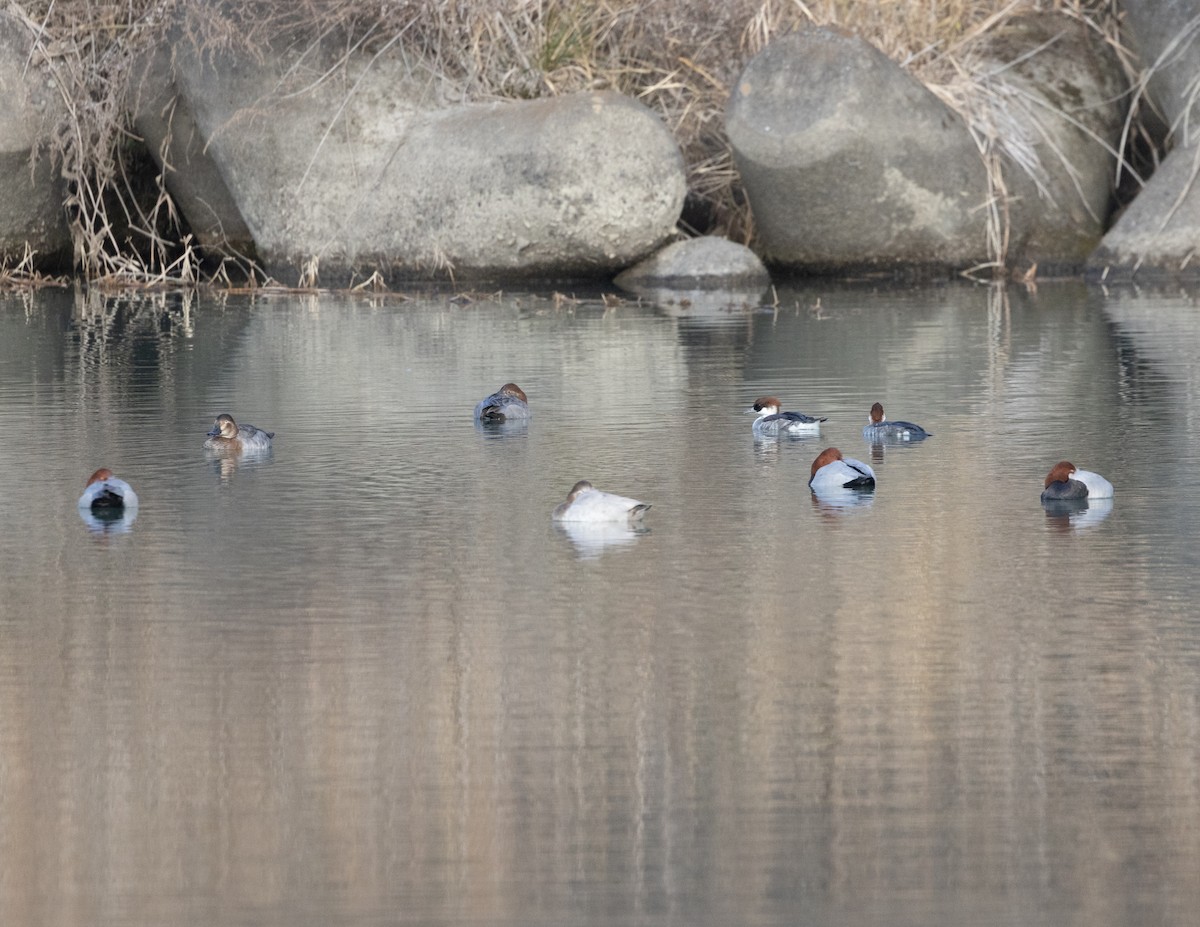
point(1058, 101)
point(1166, 36)
point(696, 264)
point(357, 173)
point(1158, 234)
point(32, 191)
point(164, 120)
point(849, 162)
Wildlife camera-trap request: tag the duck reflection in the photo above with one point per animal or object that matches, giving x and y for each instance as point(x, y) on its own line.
point(104, 522)
point(591, 539)
point(226, 461)
point(833, 502)
point(1076, 515)
point(881, 447)
point(508, 428)
point(766, 448)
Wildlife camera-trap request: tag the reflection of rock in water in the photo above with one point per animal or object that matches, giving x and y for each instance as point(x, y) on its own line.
point(705, 307)
point(591, 539)
point(1157, 342)
point(142, 331)
point(1074, 515)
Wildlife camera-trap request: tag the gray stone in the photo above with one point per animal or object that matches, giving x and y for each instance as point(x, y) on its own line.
point(697, 263)
point(849, 162)
point(1063, 95)
point(1166, 36)
point(164, 120)
point(342, 177)
point(32, 192)
point(1158, 234)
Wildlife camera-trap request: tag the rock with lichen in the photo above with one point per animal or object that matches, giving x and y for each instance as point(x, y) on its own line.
point(366, 171)
point(32, 191)
point(851, 163)
point(1158, 234)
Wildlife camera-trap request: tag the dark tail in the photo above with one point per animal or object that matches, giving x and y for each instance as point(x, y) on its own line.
point(107, 501)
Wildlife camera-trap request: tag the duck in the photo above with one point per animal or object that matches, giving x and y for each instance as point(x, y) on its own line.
point(1066, 482)
point(878, 428)
point(227, 434)
point(105, 493)
point(509, 403)
point(831, 471)
point(586, 503)
point(771, 422)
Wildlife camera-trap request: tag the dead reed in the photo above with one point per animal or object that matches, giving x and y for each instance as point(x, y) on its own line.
point(680, 57)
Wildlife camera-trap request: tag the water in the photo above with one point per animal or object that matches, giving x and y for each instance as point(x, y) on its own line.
point(365, 680)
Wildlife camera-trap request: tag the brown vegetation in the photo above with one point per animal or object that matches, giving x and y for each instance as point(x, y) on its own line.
point(678, 56)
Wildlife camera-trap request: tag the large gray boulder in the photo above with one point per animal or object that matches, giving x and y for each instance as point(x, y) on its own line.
point(1057, 97)
point(163, 118)
point(32, 191)
point(363, 171)
point(850, 162)
point(1158, 234)
point(1166, 36)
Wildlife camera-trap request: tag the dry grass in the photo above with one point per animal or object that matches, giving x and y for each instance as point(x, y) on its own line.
point(23, 273)
point(680, 57)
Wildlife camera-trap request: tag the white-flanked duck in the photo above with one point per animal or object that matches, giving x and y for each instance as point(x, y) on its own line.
point(831, 471)
point(586, 503)
point(108, 504)
point(879, 429)
point(771, 422)
point(1066, 482)
point(106, 493)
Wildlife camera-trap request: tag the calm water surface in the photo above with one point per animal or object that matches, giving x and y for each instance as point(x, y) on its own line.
point(365, 680)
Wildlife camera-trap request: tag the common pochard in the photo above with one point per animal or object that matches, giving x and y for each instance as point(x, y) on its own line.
point(1066, 482)
point(106, 493)
point(832, 471)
